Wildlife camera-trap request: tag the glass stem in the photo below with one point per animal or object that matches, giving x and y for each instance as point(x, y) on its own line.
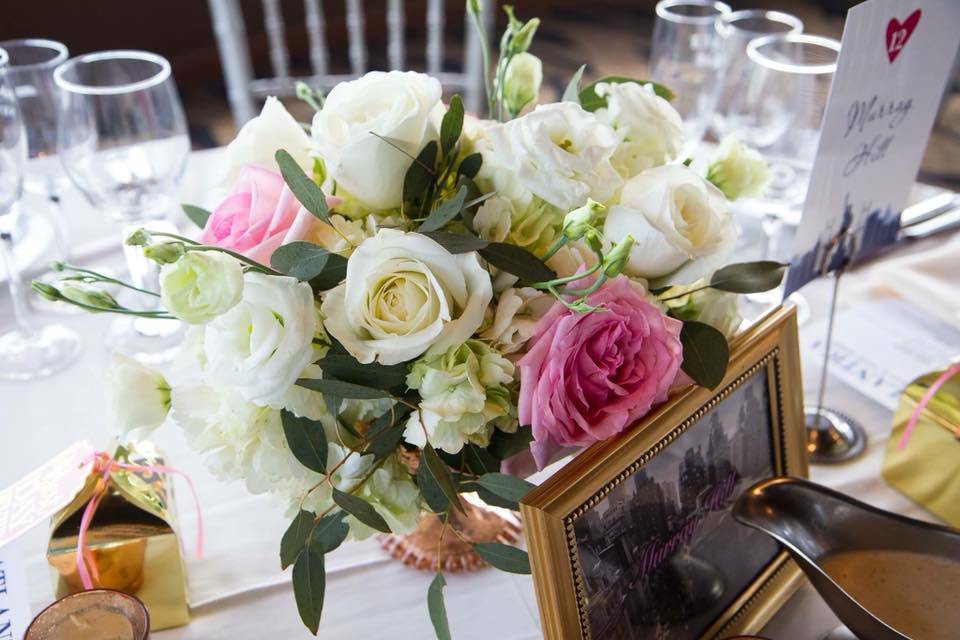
point(17, 291)
point(59, 225)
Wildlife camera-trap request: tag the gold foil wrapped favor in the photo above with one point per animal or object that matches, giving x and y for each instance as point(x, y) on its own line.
point(131, 542)
point(925, 467)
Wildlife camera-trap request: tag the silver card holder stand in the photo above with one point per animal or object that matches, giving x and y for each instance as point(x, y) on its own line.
point(833, 437)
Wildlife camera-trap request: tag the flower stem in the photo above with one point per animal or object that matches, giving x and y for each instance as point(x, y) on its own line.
point(99, 277)
point(562, 240)
point(485, 54)
point(566, 279)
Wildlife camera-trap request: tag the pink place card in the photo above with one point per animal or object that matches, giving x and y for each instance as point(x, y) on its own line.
point(44, 491)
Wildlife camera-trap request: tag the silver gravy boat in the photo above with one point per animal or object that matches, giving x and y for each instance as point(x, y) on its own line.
point(812, 522)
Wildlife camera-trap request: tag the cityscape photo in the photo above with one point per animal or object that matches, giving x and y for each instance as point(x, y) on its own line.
point(661, 555)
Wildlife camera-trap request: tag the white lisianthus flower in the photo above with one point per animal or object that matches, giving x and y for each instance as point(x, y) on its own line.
point(515, 318)
point(738, 171)
point(201, 285)
point(462, 389)
point(719, 309)
point(403, 294)
point(396, 105)
point(650, 130)
point(139, 396)
point(261, 346)
point(680, 224)
point(259, 140)
point(521, 81)
point(558, 152)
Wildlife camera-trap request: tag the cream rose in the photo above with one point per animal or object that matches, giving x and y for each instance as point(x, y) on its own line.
point(260, 347)
point(403, 294)
point(680, 224)
point(396, 105)
point(201, 285)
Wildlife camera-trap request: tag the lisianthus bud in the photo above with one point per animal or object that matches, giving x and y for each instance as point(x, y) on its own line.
point(579, 221)
point(164, 252)
point(201, 286)
point(738, 171)
point(524, 37)
point(87, 294)
point(617, 257)
point(521, 81)
point(47, 291)
point(473, 6)
point(139, 238)
point(593, 240)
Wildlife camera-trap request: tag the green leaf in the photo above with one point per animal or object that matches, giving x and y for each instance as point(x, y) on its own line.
point(385, 432)
point(505, 485)
point(470, 166)
point(307, 441)
point(494, 500)
point(342, 389)
point(479, 460)
point(504, 557)
point(504, 445)
point(303, 188)
point(394, 415)
point(361, 510)
point(329, 532)
point(446, 212)
point(432, 494)
point(375, 375)
point(590, 101)
point(420, 175)
point(197, 215)
point(518, 261)
point(441, 473)
point(705, 353)
point(457, 242)
point(306, 261)
point(332, 275)
point(309, 583)
point(437, 609)
point(451, 125)
point(572, 92)
point(749, 277)
point(295, 537)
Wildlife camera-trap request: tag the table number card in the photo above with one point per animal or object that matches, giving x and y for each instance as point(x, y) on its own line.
point(14, 599)
point(895, 58)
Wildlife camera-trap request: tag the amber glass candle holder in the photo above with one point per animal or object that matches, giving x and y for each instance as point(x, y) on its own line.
point(98, 614)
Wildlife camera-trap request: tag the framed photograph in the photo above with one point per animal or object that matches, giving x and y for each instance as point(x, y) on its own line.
point(634, 539)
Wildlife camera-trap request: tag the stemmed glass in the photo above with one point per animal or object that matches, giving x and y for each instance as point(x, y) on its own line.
point(30, 350)
point(687, 56)
point(124, 143)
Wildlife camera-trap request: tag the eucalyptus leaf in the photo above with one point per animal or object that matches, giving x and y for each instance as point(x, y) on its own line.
point(457, 242)
point(432, 494)
point(505, 485)
point(518, 261)
point(329, 532)
point(470, 166)
point(446, 212)
point(197, 215)
point(479, 460)
point(375, 375)
point(306, 439)
point(420, 175)
point(361, 510)
point(451, 125)
point(303, 188)
point(386, 443)
point(295, 537)
point(303, 260)
point(437, 609)
point(749, 277)
point(705, 353)
point(590, 101)
point(441, 473)
point(572, 92)
point(342, 389)
point(504, 557)
point(504, 445)
point(309, 583)
point(332, 275)
point(494, 500)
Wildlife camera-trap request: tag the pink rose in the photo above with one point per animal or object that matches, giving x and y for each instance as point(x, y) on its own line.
point(259, 215)
point(586, 377)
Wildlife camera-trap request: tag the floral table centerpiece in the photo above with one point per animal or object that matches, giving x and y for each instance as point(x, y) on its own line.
point(395, 304)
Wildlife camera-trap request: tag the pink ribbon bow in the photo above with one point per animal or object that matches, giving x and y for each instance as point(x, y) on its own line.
point(951, 371)
point(105, 464)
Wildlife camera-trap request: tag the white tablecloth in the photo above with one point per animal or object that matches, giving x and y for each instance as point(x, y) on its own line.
point(237, 590)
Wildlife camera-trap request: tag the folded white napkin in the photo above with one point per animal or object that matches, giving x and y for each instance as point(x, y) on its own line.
point(929, 279)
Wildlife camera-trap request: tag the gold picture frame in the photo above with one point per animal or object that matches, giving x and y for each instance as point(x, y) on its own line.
point(551, 512)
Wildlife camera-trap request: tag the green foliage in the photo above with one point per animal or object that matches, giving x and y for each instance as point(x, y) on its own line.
point(309, 583)
point(749, 277)
point(705, 353)
point(361, 510)
point(437, 609)
point(375, 375)
point(311, 263)
point(445, 212)
point(419, 179)
point(572, 92)
point(329, 532)
point(197, 215)
point(504, 557)
point(342, 389)
point(451, 126)
point(470, 166)
point(518, 261)
point(457, 242)
point(441, 475)
point(504, 445)
point(505, 486)
point(306, 439)
point(590, 101)
point(303, 188)
point(295, 537)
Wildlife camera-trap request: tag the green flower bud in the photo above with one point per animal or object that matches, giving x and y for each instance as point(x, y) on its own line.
point(521, 81)
point(593, 240)
point(165, 252)
point(473, 6)
point(58, 265)
point(524, 37)
point(47, 291)
point(613, 262)
point(139, 238)
point(579, 221)
point(89, 295)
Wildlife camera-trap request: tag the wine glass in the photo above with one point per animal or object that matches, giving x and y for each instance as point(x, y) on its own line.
point(31, 350)
point(124, 143)
point(687, 56)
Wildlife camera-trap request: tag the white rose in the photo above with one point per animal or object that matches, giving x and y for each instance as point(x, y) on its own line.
point(679, 222)
point(261, 346)
point(139, 396)
point(201, 285)
point(260, 138)
point(396, 105)
point(403, 294)
point(738, 171)
point(558, 152)
point(650, 130)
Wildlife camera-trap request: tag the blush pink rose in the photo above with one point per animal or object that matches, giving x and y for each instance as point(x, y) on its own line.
point(586, 377)
point(259, 215)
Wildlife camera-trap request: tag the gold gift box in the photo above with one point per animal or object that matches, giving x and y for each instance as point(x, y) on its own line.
point(926, 469)
point(131, 540)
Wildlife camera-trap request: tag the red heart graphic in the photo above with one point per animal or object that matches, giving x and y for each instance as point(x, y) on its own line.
point(898, 34)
